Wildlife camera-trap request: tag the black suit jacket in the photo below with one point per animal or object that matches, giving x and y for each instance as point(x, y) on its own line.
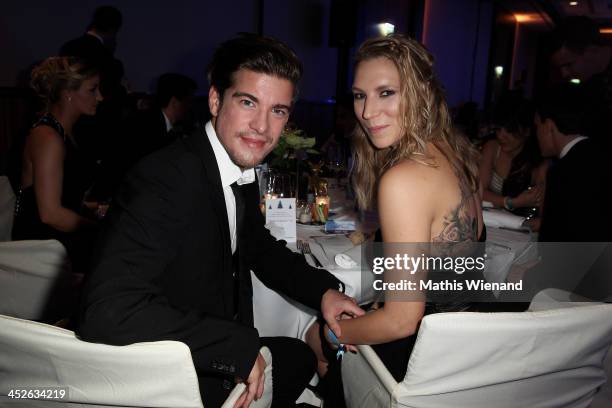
point(145, 133)
point(575, 207)
point(163, 265)
point(576, 210)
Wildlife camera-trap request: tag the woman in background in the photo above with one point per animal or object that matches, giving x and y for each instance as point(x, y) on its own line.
point(512, 170)
point(55, 174)
point(422, 180)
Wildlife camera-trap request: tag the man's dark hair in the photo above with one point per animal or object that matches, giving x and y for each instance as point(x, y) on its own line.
point(106, 19)
point(173, 84)
point(576, 33)
point(254, 53)
point(568, 106)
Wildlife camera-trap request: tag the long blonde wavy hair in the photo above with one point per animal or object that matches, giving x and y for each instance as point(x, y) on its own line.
point(424, 118)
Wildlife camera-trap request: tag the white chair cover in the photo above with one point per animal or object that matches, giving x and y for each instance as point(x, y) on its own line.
point(545, 358)
point(7, 209)
point(154, 374)
point(34, 279)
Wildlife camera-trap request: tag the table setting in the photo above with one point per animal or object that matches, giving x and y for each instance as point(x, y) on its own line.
point(509, 242)
point(332, 243)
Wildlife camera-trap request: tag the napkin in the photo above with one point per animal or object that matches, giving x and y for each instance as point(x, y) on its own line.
point(332, 245)
point(500, 218)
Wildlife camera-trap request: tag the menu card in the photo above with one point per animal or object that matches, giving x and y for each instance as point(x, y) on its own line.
point(280, 218)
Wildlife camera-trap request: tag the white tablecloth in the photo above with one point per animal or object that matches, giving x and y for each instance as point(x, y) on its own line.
point(506, 248)
point(275, 315)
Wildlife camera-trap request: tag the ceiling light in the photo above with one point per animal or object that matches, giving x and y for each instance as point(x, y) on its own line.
point(575, 81)
point(499, 71)
point(573, 3)
point(525, 18)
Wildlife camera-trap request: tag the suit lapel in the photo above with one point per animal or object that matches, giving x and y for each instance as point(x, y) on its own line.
point(198, 141)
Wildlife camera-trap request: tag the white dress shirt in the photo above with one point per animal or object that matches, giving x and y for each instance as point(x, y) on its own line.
point(167, 122)
point(569, 146)
point(93, 34)
point(230, 173)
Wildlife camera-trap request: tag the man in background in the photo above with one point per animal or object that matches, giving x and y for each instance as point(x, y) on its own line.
point(100, 137)
point(97, 47)
point(159, 126)
point(576, 210)
point(581, 52)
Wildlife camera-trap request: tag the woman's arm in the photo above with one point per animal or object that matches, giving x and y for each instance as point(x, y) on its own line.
point(485, 170)
point(526, 198)
point(406, 205)
point(47, 155)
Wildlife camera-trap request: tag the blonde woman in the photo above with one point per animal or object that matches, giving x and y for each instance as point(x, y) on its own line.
point(421, 179)
point(55, 174)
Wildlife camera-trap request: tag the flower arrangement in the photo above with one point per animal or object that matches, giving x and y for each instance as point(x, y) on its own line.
point(292, 150)
point(293, 146)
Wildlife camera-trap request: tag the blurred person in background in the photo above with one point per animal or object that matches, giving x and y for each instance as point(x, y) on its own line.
point(580, 51)
point(159, 126)
point(97, 48)
point(55, 173)
point(575, 207)
point(512, 169)
point(100, 135)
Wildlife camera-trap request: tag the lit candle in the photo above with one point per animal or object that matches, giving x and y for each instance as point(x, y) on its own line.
point(322, 200)
point(321, 208)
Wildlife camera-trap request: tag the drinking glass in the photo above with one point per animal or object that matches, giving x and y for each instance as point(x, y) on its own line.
point(282, 185)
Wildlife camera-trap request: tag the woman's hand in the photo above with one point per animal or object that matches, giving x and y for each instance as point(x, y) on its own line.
point(532, 197)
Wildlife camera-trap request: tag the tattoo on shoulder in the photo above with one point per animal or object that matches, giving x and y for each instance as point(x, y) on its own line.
point(459, 225)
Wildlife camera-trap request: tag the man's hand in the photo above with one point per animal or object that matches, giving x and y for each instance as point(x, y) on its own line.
point(334, 304)
point(255, 384)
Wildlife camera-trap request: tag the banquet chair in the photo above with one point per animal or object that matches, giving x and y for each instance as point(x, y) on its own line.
point(152, 374)
point(549, 356)
point(35, 280)
point(7, 209)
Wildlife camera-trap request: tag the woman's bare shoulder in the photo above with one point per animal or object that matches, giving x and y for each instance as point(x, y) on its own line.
point(409, 175)
point(45, 140)
point(46, 135)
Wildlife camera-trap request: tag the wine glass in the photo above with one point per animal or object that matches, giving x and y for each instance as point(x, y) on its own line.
point(282, 185)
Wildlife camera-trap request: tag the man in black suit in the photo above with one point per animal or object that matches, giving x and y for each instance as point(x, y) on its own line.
point(185, 229)
point(580, 51)
point(155, 128)
point(576, 210)
point(99, 136)
point(97, 47)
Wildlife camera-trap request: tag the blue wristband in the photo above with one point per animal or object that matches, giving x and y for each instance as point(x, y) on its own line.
point(334, 339)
